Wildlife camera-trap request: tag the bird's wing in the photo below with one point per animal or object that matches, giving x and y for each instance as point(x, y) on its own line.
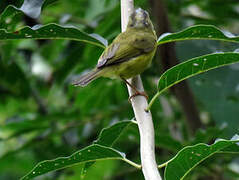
point(124, 50)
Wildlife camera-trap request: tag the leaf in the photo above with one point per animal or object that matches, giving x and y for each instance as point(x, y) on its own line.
point(50, 31)
point(100, 38)
point(32, 8)
point(110, 134)
point(193, 67)
point(88, 154)
point(14, 73)
point(234, 148)
point(7, 51)
point(191, 156)
point(15, 128)
point(198, 32)
point(9, 18)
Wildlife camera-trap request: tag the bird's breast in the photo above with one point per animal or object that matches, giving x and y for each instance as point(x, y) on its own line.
point(130, 68)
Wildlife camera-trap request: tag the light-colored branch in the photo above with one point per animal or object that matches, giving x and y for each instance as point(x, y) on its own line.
point(143, 117)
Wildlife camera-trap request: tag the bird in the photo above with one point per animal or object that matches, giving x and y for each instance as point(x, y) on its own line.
point(129, 54)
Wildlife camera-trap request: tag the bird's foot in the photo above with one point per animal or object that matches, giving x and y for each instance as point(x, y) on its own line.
point(138, 94)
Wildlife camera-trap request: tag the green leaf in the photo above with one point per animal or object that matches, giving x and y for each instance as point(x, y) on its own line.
point(198, 32)
point(195, 66)
point(191, 156)
point(191, 68)
point(88, 154)
point(110, 134)
point(7, 51)
point(16, 128)
point(9, 18)
point(234, 148)
point(51, 31)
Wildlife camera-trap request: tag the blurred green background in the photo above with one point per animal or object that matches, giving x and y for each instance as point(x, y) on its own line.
point(42, 116)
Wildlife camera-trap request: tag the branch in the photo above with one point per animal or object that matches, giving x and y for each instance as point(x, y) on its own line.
point(144, 118)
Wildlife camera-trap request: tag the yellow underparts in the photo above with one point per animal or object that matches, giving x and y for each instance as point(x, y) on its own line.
point(130, 68)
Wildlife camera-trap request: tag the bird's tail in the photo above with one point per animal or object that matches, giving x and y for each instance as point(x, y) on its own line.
point(85, 79)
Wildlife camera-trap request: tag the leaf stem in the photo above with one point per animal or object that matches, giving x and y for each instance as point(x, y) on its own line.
point(138, 166)
point(153, 100)
point(164, 164)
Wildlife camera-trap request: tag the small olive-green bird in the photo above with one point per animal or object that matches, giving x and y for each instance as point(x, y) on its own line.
point(129, 54)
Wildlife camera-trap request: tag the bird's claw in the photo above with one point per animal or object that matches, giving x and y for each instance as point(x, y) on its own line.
point(138, 94)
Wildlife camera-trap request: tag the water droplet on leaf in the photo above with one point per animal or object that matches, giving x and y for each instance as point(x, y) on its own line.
point(28, 35)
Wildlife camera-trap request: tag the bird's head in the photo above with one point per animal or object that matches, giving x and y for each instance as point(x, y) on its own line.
point(139, 19)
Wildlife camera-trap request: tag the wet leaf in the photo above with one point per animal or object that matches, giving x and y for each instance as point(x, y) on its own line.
point(88, 154)
point(208, 32)
point(50, 31)
point(193, 67)
point(189, 157)
point(110, 134)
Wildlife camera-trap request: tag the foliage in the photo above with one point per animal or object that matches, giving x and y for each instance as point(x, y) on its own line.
point(42, 116)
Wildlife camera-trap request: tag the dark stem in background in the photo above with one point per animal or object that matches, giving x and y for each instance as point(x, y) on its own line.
point(169, 59)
